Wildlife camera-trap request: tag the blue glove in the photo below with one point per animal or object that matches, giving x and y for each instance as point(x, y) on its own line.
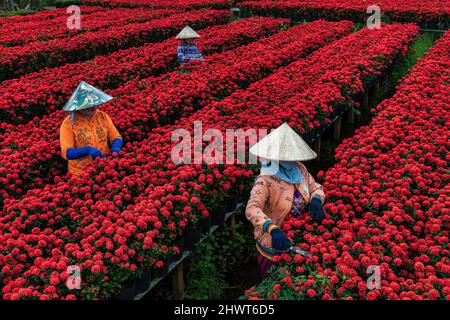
point(279, 240)
point(77, 153)
point(316, 210)
point(116, 145)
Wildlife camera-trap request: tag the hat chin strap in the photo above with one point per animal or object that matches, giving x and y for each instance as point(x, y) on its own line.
point(72, 116)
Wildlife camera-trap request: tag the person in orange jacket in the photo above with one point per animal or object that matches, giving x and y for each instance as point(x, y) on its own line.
point(87, 133)
point(283, 187)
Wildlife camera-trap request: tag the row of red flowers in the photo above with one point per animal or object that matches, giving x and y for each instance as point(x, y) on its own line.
point(148, 193)
point(188, 4)
point(388, 203)
point(344, 26)
point(25, 21)
point(418, 11)
point(201, 85)
point(16, 61)
point(46, 91)
point(20, 34)
point(32, 152)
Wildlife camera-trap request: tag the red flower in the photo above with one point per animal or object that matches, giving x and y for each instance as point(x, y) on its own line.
point(311, 293)
point(418, 266)
point(95, 269)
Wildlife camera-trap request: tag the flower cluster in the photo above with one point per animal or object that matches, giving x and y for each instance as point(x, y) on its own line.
point(388, 203)
point(10, 22)
point(46, 91)
point(185, 4)
point(19, 33)
point(125, 212)
point(418, 11)
point(32, 151)
point(19, 60)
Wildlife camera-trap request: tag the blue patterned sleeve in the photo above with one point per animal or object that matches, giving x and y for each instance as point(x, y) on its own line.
point(180, 55)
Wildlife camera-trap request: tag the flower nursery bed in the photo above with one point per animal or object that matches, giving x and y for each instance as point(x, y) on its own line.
point(57, 28)
point(124, 214)
point(16, 61)
point(25, 21)
point(43, 92)
point(388, 203)
point(435, 16)
point(176, 260)
point(167, 98)
point(188, 4)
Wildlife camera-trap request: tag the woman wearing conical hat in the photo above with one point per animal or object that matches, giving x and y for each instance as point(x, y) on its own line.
point(187, 50)
point(283, 187)
point(87, 133)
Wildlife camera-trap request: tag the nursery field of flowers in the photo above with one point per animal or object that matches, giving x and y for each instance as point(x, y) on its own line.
point(387, 194)
point(424, 12)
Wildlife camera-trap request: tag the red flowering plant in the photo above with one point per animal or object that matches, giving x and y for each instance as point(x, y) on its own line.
point(47, 91)
point(287, 286)
point(146, 167)
point(19, 34)
point(79, 209)
point(176, 208)
point(125, 163)
point(197, 85)
point(388, 200)
point(187, 4)
point(18, 21)
point(395, 10)
point(15, 61)
point(26, 141)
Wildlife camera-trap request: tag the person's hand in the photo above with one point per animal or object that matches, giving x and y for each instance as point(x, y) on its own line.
point(280, 241)
point(116, 145)
point(316, 210)
point(95, 153)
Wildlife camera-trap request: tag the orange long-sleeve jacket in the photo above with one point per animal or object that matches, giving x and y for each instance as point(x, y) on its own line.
point(271, 199)
point(96, 132)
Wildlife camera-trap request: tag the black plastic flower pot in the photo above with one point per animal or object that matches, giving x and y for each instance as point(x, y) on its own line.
point(205, 225)
point(128, 291)
point(161, 272)
point(179, 242)
point(218, 216)
point(143, 282)
point(232, 203)
point(192, 236)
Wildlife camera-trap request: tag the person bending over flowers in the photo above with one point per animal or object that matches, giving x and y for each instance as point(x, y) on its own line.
point(284, 186)
point(187, 50)
point(86, 132)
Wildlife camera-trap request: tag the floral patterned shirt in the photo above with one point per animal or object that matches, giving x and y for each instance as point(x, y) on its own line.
point(187, 52)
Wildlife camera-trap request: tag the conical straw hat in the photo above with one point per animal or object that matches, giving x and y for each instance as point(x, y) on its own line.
point(283, 144)
point(86, 96)
point(187, 33)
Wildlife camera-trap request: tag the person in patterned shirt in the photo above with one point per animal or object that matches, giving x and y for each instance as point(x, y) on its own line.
point(87, 133)
point(284, 187)
point(187, 50)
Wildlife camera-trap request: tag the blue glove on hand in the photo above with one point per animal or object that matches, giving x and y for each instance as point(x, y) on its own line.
point(316, 210)
point(279, 240)
point(77, 153)
point(95, 153)
point(116, 145)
